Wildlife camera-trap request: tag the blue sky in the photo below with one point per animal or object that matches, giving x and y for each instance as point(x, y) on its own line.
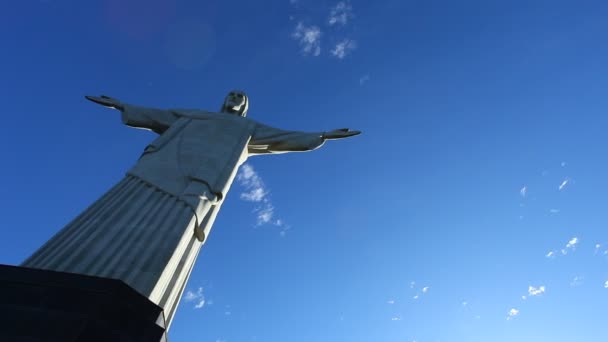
point(480, 177)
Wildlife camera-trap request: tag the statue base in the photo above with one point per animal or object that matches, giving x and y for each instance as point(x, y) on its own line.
point(43, 306)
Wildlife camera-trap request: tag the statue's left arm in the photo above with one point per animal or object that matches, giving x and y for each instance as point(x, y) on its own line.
point(268, 139)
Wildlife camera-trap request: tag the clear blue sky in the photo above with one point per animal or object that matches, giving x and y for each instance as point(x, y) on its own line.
point(484, 150)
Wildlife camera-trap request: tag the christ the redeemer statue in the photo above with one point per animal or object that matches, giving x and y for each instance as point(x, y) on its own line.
point(148, 229)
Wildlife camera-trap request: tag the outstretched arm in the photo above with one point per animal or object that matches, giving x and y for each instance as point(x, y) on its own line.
point(268, 139)
point(339, 134)
point(157, 120)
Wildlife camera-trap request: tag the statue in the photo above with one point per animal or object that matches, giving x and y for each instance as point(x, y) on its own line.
point(148, 229)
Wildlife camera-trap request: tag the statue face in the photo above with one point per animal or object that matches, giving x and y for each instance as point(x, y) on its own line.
point(236, 103)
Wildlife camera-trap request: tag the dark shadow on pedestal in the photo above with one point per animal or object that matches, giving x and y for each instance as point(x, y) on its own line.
point(43, 306)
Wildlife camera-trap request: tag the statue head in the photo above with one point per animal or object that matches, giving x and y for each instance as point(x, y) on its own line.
point(236, 102)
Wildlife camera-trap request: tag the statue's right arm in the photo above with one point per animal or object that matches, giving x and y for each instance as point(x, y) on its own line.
point(157, 120)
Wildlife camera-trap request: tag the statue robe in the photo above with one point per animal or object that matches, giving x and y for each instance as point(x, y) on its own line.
point(148, 229)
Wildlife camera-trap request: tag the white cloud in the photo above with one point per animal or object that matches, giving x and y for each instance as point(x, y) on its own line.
point(536, 291)
point(425, 289)
point(551, 254)
point(265, 214)
point(412, 284)
point(255, 191)
point(512, 313)
point(416, 297)
point(571, 245)
point(396, 319)
point(464, 303)
point(523, 191)
point(391, 301)
point(341, 13)
point(564, 183)
point(309, 38)
point(255, 195)
point(343, 48)
point(190, 296)
point(197, 297)
point(248, 178)
point(572, 242)
point(606, 284)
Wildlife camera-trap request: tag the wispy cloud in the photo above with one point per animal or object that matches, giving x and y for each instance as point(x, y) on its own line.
point(512, 313)
point(523, 191)
point(536, 291)
point(363, 79)
point(554, 211)
point(419, 292)
point(396, 319)
point(248, 178)
point(343, 48)
point(606, 284)
point(391, 301)
point(570, 246)
point(340, 14)
point(563, 184)
point(309, 38)
point(196, 297)
point(256, 191)
point(577, 281)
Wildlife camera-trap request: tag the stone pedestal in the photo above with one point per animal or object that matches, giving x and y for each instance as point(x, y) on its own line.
point(41, 305)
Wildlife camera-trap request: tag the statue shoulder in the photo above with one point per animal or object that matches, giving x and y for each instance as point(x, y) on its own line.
point(193, 113)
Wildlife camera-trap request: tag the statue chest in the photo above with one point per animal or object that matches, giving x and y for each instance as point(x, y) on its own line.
point(204, 150)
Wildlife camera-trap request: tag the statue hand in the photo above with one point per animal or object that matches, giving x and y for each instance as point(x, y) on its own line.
point(106, 101)
point(339, 134)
